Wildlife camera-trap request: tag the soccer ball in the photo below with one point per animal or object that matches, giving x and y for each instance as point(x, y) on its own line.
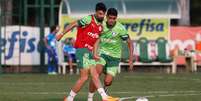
point(142, 99)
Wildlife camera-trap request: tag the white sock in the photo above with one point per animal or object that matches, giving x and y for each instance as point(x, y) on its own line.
point(90, 96)
point(71, 71)
point(71, 96)
point(101, 91)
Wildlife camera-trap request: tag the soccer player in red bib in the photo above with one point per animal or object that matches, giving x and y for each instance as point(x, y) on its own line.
point(89, 29)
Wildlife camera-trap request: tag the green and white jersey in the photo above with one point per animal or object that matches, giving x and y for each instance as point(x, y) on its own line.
point(111, 40)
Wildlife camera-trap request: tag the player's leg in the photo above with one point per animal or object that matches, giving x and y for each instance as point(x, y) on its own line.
point(110, 68)
point(92, 87)
point(101, 91)
point(78, 85)
point(97, 83)
point(108, 81)
point(95, 76)
point(110, 74)
point(82, 64)
point(111, 71)
point(85, 61)
point(99, 70)
point(83, 77)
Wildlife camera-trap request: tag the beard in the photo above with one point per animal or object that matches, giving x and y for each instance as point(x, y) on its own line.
point(100, 20)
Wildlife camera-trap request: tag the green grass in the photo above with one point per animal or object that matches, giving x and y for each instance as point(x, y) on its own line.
point(158, 87)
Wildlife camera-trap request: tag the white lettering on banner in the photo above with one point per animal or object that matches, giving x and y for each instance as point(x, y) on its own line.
point(19, 45)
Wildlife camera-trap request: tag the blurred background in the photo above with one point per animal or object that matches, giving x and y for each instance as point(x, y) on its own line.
point(25, 23)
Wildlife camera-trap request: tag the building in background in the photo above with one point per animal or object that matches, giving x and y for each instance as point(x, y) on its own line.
point(30, 12)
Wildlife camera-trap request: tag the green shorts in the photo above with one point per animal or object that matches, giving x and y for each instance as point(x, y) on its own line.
point(110, 64)
point(84, 58)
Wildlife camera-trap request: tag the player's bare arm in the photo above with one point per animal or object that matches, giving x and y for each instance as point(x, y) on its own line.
point(95, 50)
point(67, 29)
point(130, 46)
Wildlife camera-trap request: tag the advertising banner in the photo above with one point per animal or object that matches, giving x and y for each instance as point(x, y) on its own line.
point(19, 45)
point(148, 28)
point(137, 27)
point(185, 38)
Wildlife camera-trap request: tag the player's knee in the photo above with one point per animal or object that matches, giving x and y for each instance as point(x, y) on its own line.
point(108, 82)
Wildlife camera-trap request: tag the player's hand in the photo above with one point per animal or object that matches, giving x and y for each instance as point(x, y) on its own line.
point(130, 64)
point(59, 36)
point(96, 57)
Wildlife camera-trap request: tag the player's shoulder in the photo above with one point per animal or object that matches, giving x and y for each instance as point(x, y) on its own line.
point(87, 17)
point(85, 20)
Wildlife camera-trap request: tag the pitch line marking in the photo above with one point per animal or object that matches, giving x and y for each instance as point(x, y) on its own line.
point(153, 96)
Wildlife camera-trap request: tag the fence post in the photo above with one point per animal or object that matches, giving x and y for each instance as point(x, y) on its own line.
point(42, 33)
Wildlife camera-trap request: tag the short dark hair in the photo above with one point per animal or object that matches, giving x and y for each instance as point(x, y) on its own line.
point(101, 6)
point(52, 28)
point(112, 11)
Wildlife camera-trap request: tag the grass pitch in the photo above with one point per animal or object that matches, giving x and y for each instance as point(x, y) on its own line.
point(155, 86)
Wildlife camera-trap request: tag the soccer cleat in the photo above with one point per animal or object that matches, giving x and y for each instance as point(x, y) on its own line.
point(65, 98)
point(111, 99)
